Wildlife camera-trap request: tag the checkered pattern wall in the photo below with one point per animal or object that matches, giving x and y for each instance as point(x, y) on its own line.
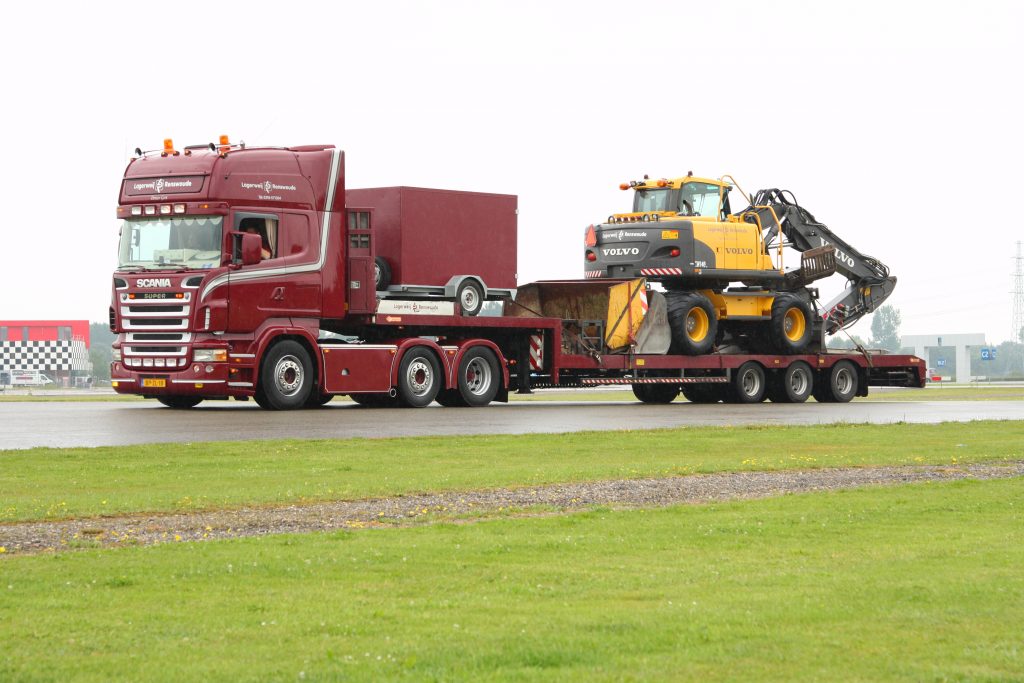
point(44, 356)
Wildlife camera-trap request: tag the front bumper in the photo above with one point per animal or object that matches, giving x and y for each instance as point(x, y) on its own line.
point(209, 380)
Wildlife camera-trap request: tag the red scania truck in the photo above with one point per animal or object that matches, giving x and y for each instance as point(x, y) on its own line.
point(252, 273)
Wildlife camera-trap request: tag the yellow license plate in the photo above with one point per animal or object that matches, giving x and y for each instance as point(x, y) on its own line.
point(154, 382)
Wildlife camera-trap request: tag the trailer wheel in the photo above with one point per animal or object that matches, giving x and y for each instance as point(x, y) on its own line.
point(286, 376)
point(381, 273)
point(791, 326)
point(478, 376)
point(419, 378)
point(748, 384)
point(179, 401)
point(842, 383)
point(470, 296)
point(691, 317)
point(656, 393)
point(704, 393)
point(795, 384)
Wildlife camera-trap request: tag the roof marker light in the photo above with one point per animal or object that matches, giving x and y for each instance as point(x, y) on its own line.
point(179, 208)
point(165, 209)
point(623, 186)
point(150, 210)
point(136, 210)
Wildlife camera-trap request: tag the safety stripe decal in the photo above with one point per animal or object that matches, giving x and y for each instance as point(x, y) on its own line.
point(661, 271)
point(594, 381)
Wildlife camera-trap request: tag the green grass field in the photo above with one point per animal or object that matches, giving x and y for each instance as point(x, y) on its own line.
point(58, 483)
point(920, 582)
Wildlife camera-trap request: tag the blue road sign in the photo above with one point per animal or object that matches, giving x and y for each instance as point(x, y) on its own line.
point(985, 354)
point(941, 362)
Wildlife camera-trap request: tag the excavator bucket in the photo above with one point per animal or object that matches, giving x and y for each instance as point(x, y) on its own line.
point(599, 315)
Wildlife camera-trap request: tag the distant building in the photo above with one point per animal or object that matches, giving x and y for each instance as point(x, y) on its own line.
point(57, 348)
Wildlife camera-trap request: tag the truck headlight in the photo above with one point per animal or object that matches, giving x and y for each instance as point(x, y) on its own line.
point(115, 353)
point(210, 355)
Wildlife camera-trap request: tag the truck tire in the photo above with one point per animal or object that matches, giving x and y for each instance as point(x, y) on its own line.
point(286, 376)
point(748, 384)
point(179, 401)
point(795, 384)
point(704, 393)
point(381, 273)
point(842, 382)
point(691, 317)
point(791, 327)
point(656, 393)
point(478, 376)
point(419, 378)
point(318, 400)
point(470, 296)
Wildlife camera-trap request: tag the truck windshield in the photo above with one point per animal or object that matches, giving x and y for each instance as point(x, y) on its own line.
point(652, 200)
point(186, 241)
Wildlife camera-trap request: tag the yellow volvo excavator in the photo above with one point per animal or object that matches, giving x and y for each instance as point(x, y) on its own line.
point(725, 281)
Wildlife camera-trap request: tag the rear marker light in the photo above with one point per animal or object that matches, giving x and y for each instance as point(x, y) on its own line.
point(591, 256)
point(674, 252)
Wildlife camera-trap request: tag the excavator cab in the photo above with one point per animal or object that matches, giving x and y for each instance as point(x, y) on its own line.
point(687, 197)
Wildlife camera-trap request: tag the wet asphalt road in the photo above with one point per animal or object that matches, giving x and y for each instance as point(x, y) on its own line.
point(25, 425)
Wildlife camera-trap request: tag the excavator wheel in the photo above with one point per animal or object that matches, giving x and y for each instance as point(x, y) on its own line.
point(792, 325)
point(693, 322)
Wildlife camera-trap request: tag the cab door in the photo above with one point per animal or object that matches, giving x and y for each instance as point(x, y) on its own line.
point(361, 281)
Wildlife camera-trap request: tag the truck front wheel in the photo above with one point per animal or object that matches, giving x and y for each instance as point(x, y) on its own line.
point(286, 376)
point(419, 378)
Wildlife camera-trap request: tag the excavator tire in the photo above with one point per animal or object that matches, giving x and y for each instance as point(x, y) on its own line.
point(693, 322)
point(792, 325)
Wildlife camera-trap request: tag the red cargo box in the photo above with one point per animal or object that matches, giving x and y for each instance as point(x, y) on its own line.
point(428, 236)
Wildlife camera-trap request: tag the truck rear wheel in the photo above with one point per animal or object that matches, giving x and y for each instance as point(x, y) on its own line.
point(748, 384)
point(794, 384)
point(286, 376)
point(450, 398)
point(419, 378)
point(478, 376)
point(470, 296)
point(656, 393)
point(179, 401)
point(691, 317)
point(374, 400)
point(791, 325)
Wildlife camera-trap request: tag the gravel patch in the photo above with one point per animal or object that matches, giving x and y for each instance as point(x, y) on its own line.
point(34, 537)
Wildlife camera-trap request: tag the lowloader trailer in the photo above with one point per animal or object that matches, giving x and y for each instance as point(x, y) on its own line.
point(252, 274)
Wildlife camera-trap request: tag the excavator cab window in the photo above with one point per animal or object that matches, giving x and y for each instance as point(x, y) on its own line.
point(646, 201)
point(699, 199)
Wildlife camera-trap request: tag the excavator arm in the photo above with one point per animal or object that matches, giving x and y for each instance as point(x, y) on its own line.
point(869, 281)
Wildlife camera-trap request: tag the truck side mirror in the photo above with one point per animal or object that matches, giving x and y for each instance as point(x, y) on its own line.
point(246, 248)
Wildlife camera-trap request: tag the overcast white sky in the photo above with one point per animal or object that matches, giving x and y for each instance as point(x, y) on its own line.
point(897, 124)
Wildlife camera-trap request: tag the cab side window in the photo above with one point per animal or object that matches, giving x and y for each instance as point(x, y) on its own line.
point(265, 227)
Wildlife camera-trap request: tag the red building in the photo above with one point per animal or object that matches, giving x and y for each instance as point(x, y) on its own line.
point(57, 348)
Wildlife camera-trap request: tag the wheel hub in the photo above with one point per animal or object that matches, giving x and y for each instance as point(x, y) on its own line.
point(288, 375)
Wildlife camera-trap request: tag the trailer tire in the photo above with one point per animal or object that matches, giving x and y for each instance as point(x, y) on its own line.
point(842, 382)
point(419, 378)
point(693, 323)
point(470, 296)
point(656, 393)
point(478, 376)
point(704, 393)
point(381, 273)
point(286, 376)
point(748, 384)
point(795, 384)
point(791, 328)
point(179, 402)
